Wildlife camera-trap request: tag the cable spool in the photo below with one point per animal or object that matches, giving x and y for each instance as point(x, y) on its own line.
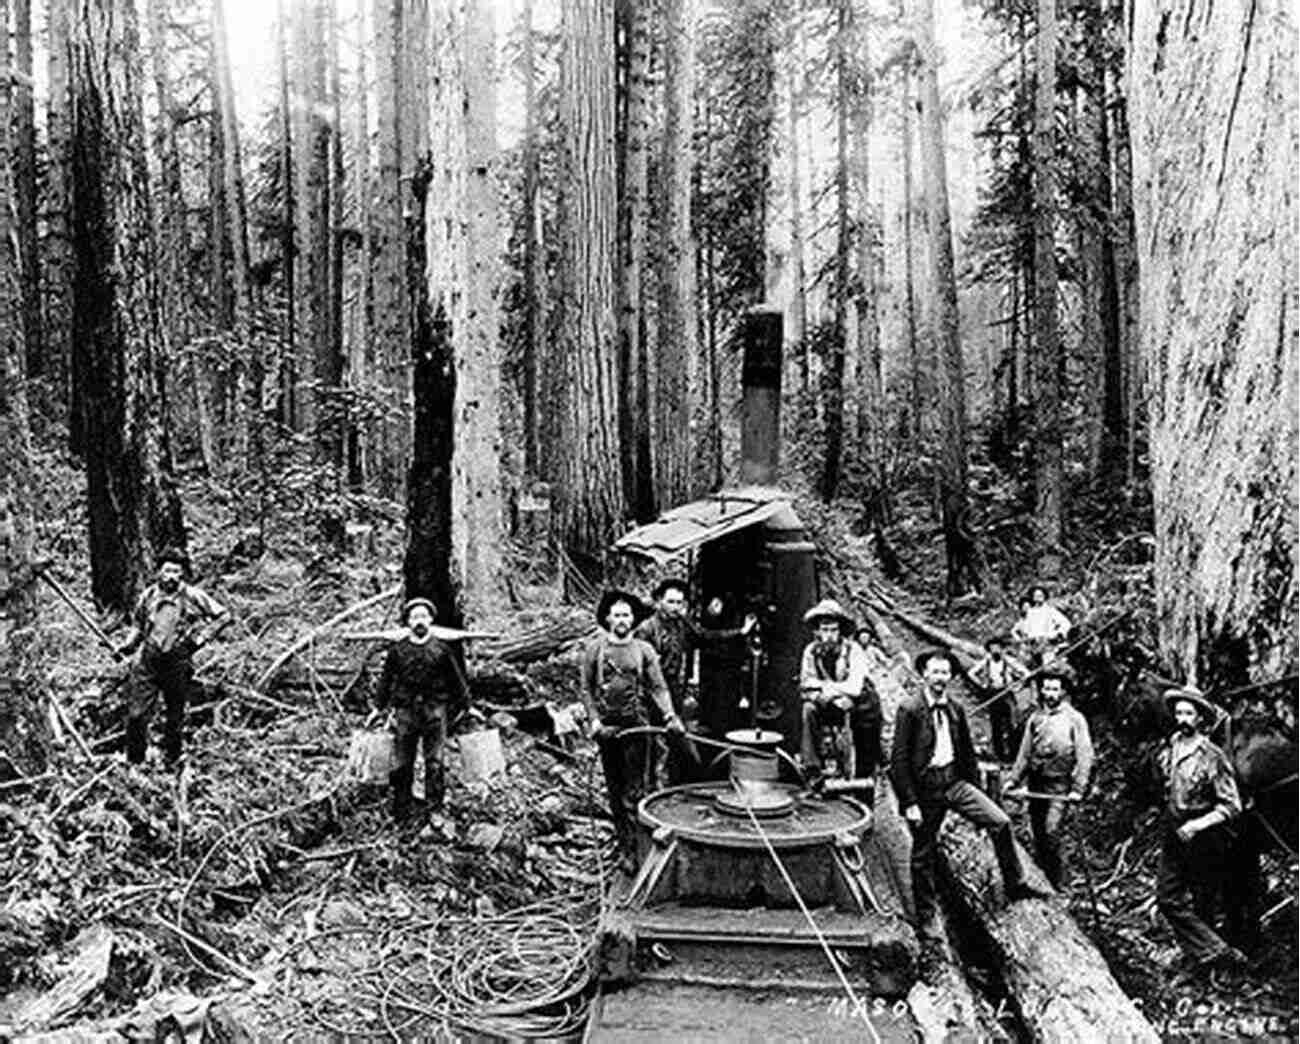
point(754, 774)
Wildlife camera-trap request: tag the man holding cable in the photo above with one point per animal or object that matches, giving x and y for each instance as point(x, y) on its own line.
point(621, 677)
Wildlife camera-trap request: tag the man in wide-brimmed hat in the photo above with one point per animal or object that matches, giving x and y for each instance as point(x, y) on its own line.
point(834, 684)
point(621, 679)
point(421, 679)
point(1200, 797)
point(1055, 757)
point(671, 632)
point(171, 621)
point(995, 678)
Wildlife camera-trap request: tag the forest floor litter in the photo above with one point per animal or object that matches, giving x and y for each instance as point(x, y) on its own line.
point(261, 891)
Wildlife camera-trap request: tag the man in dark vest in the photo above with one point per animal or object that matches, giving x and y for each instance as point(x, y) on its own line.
point(621, 680)
point(172, 621)
point(421, 680)
point(934, 771)
point(671, 632)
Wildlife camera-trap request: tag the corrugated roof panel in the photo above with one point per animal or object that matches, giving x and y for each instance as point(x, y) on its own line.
point(689, 525)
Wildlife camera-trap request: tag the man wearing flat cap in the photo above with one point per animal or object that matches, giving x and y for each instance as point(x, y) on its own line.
point(420, 680)
point(834, 684)
point(1055, 757)
point(621, 678)
point(1200, 798)
point(172, 620)
point(671, 632)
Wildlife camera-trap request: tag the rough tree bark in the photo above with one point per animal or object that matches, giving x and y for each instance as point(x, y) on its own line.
point(798, 321)
point(909, 256)
point(633, 398)
point(534, 271)
point(57, 256)
point(476, 476)
point(24, 183)
point(23, 733)
point(958, 541)
point(1049, 435)
point(1216, 145)
point(832, 382)
point(289, 398)
point(677, 358)
point(591, 504)
point(391, 332)
point(118, 341)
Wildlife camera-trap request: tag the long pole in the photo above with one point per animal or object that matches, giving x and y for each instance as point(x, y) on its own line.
point(82, 615)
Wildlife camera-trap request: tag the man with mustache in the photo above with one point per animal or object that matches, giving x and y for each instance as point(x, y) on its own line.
point(172, 620)
point(420, 679)
point(1200, 797)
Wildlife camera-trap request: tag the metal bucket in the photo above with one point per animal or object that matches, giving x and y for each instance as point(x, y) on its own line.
point(481, 756)
point(370, 755)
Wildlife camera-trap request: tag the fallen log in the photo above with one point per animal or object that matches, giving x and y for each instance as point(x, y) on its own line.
point(968, 652)
point(541, 642)
point(1060, 985)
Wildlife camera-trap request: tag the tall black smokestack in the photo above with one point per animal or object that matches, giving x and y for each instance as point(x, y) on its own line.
point(760, 411)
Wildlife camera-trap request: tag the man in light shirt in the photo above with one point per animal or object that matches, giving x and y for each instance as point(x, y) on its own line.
point(1055, 758)
point(933, 771)
point(1041, 628)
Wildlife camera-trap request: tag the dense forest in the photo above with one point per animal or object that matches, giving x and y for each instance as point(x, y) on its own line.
point(346, 302)
point(998, 234)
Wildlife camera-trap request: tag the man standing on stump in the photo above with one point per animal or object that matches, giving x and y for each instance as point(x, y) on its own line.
point(933, 771)
point(421, 680)
point(1201, 797)
point(621, 678)
point(172, 621)
point(1055, 758)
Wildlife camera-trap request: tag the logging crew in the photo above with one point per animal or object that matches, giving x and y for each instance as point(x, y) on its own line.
point(933, 771)
point(1055, 757)
point(421, 683)
point(172, 620)
point(835, 688)
point(1201, 797)
point(994, 677)
point(671, 632)
point(621, 679)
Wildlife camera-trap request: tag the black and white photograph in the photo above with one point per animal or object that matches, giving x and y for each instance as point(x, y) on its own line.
point(612, 521)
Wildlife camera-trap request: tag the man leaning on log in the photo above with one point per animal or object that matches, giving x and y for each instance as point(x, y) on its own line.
point(933, 771)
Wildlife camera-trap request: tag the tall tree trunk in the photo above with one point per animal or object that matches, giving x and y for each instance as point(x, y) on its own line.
point(677, 398)
point(534, 271)
point(958, 541)
point(24, 179)
point(289, 411)
point(22, 731)
point(633, 409)
point(871, 376)
point(57, 260)
point(799, 292)
point(591, 491)
point(391, 332)
point(1215, 149)
point(708, 436)
point(118, 342)
point(1126, 281)
point(428, 563)
point(909, 259)
point(358, 349)
point(1049, 474)
point(476, 476)
point(319, 364)
point(833, 375)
